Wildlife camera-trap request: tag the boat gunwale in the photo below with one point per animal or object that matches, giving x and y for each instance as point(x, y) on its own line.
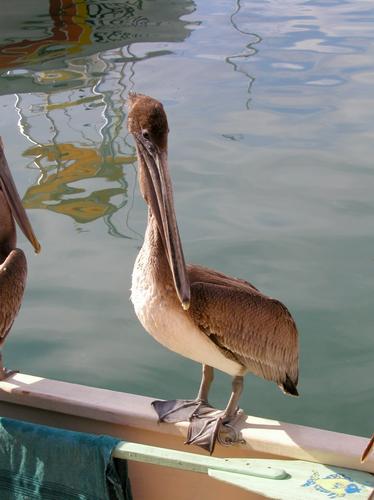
point(259, 435)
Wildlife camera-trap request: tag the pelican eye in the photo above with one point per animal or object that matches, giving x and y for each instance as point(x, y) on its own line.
point(145, 134)
point(147, 141)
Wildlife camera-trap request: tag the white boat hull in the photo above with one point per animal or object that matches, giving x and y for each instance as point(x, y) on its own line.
point(131, 418)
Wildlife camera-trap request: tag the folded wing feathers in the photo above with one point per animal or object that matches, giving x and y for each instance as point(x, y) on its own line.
point(256, 330)
point(13, 273)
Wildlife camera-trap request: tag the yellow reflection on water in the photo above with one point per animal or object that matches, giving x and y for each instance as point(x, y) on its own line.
point(75, 163)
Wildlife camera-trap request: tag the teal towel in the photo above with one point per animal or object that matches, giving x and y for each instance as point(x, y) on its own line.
point(43, 463)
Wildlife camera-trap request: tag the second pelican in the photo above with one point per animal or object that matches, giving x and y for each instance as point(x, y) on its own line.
point(13, 265)
point(214, 319)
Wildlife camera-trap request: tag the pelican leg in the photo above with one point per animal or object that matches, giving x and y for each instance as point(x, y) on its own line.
point(179, 410)
point(4, 372)
point(207, 377)
point(209, 426)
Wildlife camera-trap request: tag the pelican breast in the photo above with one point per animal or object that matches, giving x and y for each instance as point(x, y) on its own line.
point(163, 317)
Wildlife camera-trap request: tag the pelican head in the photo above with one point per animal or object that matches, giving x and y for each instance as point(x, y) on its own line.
point(13, 209)
point(148, 124)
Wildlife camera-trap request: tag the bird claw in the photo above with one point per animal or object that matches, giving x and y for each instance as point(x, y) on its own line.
point(179, 410)
point(206, 430)
point(203, 432)
point(207, 425)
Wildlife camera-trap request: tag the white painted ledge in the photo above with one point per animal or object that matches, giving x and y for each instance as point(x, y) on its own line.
point(260, 435)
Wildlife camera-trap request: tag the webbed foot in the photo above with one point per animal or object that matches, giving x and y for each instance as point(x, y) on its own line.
point(206, 428)
point(180, 410)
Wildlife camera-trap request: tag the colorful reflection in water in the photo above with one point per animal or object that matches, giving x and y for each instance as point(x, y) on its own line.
point(79, 74)
point(70, 164)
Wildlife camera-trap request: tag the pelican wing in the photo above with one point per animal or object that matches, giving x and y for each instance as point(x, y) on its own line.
point(13, 272)
point(255, 330)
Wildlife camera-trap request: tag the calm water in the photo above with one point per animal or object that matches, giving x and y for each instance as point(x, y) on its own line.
point(271, 110)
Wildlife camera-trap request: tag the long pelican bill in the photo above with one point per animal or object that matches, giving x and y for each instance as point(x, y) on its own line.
point(14, 201)
point(162, 205)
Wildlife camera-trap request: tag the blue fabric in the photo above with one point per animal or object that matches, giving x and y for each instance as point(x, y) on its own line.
point(43, 463)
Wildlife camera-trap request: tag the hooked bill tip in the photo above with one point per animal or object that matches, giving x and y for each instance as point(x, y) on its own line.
point(185, 304)
point(37, 247)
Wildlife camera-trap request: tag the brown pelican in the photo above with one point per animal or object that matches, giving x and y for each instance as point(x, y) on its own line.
point(214, 319)
point(368, 449)
point(13, 266)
